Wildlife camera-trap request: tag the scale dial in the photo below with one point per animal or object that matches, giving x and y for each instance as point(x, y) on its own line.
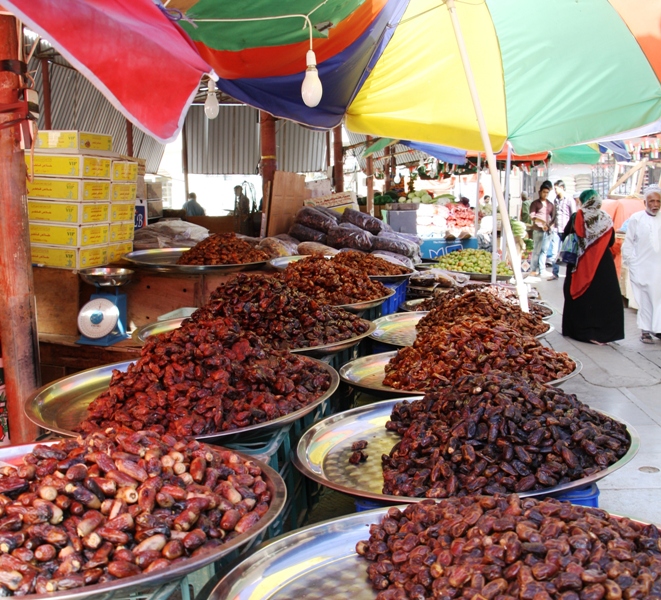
point(98, 318)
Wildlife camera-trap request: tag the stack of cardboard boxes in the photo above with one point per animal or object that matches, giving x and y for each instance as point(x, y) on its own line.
point(81, 200)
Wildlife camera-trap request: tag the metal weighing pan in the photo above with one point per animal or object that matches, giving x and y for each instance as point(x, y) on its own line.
point(368, 373)
point(179, 569)
point(282, 262)
point(147, 331)
point(163, 260)
point(323, 454)
point(61, 406)
point(399, 329)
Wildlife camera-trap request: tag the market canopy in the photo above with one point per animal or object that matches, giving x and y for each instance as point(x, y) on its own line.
point(389, 68)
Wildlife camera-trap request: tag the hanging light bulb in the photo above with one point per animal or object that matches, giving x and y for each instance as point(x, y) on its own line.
point(211, 107)
point(311, 89)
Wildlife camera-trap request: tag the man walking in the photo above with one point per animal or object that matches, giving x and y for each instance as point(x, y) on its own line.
point(641, 253)
point(564, 208)
point(542, 215)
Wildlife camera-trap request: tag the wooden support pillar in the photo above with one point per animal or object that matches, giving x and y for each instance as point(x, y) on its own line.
point(129, 138)
point(268, 157)
point(46, 96)
point(338, 159)
point(328, 152)
point(18, 324)
point(386, 168)
point(369, 172)
point(184, 159)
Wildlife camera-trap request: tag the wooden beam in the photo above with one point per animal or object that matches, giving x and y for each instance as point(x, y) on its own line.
point(18, 324)
point(338, 159)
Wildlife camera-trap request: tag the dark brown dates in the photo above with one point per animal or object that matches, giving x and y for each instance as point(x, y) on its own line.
point(496, 433)
point(222, 249)
point(423, 552)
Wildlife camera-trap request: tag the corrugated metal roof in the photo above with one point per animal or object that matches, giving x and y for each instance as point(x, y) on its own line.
point(77, 104)
point(299, 150)
point(226, 145)
point(403, 154)
point(229, 144)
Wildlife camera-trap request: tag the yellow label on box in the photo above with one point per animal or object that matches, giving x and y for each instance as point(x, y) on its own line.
point(122, 212)
point(69, 165)
point(124, 170)
point(122, 192)
point(63, 235)
point(116, 251)
point(121, 232)
point(69, 258)
point(68, 189)
point(68, 212)
point(76, 140)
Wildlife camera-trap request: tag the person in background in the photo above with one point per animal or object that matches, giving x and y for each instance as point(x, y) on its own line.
point(542, 215)
point(192, 207)
point(641, 254)
point(242, 211)
point(485, 208)
point(525, 209)
point(565, 207)
point(464, 201)
point(593, 309)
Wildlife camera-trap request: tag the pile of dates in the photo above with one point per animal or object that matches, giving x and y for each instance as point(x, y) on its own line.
point(496, 433)
point(506, 547)
point(222, 249)
point(118, 504)
point(281, 316)
point(440, 356)
point(372, 265)
point(331, 283)
point(507, 295)
point(206, 377)
point(481, 304)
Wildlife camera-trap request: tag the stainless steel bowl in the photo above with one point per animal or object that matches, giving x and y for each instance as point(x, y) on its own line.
point(106, 276)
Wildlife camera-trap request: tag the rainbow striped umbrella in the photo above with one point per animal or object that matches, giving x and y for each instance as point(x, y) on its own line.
point(549, 73)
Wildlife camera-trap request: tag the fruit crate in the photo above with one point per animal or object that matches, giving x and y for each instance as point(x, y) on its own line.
point(391, 305)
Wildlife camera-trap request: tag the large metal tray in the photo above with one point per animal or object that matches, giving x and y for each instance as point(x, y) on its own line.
point(147, 331)
point(282, 262)
point(318, 562)
point(163, 260)
point(399, 329)
point(61, 406)
point(323, 454)
point(179, 569)
point(413, 306)
point(358, 307)
point(368, 373)
point(483, 276)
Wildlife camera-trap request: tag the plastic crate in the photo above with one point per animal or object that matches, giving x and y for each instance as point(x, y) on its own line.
point(363, 504)
point(584, 496)
point(391, 305)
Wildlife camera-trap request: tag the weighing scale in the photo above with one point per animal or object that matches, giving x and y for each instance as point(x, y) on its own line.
point(103, 320)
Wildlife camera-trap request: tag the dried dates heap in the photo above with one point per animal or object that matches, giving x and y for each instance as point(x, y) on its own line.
point(507, 548)
point(370, 264)
point(222, 249)
point(440, 356)
point(80, 512)
point(206, 377)
point(331, 283)
point(483, 304)
point(496, 433)
point(281, 316)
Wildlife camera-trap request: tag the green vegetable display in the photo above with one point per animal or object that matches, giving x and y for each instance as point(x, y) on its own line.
point(472, 261)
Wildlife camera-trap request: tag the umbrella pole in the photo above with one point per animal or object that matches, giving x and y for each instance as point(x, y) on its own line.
point(491, 159)
point(508, 193)
point(477, 196)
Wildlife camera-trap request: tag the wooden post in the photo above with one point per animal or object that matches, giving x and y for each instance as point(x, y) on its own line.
point(129, 138)
point(45, 86)
point(369, 172)
point(386, 168)
point(338, 159)
point(184, 159)
point(328, 152)
point(268, 158)
point(18, 324)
